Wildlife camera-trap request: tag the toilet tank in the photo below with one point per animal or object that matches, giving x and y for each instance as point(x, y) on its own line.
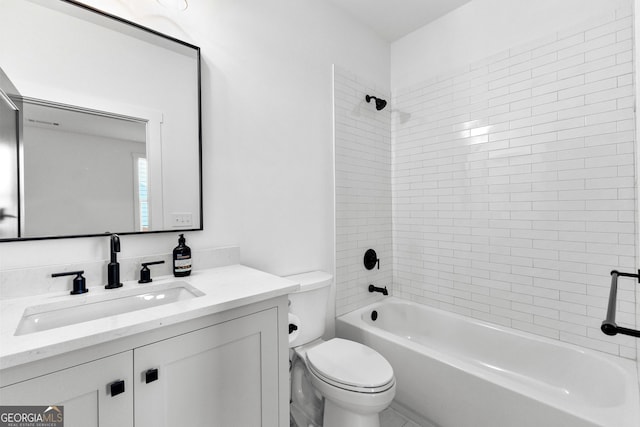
point(308, 306)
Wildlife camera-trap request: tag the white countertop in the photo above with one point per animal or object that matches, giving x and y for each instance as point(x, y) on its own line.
point(225, 288)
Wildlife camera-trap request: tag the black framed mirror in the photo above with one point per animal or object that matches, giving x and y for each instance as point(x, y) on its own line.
point(101, 125)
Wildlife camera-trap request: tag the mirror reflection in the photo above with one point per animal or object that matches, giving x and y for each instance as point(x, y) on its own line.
point(9, 120)
point(70, 152)
point(99, 125)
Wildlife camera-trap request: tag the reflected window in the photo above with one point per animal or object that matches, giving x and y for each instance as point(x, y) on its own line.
point(8, 167)
point(143, 201)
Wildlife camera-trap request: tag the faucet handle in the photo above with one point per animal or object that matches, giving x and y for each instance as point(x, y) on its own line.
point(79, 282)
point(145, 273)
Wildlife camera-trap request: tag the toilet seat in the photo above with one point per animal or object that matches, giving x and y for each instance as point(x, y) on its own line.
point(350, 366)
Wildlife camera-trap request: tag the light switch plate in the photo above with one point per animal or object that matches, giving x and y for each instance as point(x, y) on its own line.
point(181, 219)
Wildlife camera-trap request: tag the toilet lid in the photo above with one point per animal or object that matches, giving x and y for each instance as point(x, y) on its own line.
point(350, 363)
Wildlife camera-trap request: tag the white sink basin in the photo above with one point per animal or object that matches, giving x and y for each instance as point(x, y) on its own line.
point(55, 315)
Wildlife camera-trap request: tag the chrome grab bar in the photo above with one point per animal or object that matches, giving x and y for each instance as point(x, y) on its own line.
point(609, 326)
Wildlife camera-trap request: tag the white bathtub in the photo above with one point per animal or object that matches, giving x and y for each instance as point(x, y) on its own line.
point(453, 371)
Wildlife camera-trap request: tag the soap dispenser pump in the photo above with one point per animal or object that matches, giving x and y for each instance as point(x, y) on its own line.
point(181, 258)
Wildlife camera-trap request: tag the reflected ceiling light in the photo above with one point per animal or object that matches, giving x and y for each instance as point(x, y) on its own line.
point(179, 5)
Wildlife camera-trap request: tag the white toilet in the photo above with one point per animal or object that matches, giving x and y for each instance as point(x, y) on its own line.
point(335, 383)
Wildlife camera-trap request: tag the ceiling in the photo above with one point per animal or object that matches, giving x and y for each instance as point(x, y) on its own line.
point(393, 19)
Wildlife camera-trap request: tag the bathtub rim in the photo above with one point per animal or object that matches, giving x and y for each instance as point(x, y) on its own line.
point(628, 409)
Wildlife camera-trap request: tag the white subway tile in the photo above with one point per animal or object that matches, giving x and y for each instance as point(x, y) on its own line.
point(568, 251)
point(588, 88)
point(589, 343)
point(622, 57)
point(507, 79)
point(608, 28)
point(556, 46)
point(556, 106)
point(536, 309)
point(558, 125)
point(536, 291)
point(561, 326)
point(628, 352)
point(586, 110)
point(560, 85)
point(560, 285)
point(587, 67)
point(613, 71)
point(512, 314)
point(586, 131)
point(625, 80)
point(555, 67)
point(614, 49)
point(513, 185)
point(533, 139)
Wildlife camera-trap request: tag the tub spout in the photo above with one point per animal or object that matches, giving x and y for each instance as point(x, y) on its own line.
point(383, 291)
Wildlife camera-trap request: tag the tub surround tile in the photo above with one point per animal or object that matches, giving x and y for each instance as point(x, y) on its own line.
point(529, 200)
point(512, 186)
point(363, 190)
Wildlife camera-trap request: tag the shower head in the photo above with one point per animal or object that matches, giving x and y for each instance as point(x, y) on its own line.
point(380, 103)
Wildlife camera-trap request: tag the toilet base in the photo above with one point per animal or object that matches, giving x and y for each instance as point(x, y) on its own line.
point(336, 416)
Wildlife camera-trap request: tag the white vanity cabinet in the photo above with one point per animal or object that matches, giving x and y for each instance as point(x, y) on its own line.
point(227, 369)
point(223, 375)
point(84, 391)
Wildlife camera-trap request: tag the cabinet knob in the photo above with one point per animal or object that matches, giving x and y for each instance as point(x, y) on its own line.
point(150, 376)
point(116, 388)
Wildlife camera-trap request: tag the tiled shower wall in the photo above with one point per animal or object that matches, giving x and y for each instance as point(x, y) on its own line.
point(363, 190)
point(513, 186)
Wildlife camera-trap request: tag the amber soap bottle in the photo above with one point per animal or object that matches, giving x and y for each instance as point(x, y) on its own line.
point(181, 258)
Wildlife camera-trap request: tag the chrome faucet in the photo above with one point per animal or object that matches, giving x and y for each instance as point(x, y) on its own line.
point(113, 269)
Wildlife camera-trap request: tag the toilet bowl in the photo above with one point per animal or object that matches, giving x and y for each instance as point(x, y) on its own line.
point(334, 383)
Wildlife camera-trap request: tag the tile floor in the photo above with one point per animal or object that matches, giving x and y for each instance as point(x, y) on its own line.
point(391, 418)
point(388, 418)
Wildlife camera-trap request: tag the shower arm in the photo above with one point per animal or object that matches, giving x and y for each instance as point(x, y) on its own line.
point(609, 326)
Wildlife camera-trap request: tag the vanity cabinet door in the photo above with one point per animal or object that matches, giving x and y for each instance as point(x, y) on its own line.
point(85, 391)
point(224, 375)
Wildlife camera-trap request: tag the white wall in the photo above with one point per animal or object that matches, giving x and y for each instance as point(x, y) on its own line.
point(482, 28)
point(267, 130)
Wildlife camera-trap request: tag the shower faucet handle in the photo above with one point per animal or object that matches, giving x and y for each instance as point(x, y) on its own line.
point(371, 260)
